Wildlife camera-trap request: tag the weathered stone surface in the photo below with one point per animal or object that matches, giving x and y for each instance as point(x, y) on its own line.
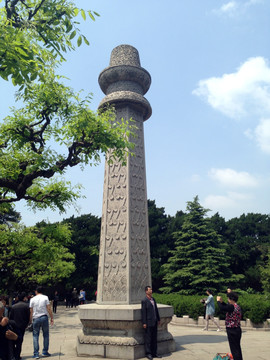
point(112, 327)
point(125, 82)
point(124, 263)
point(109, 327)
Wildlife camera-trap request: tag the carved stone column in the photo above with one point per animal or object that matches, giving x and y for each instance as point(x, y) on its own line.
point(124, 263)
point(112, 327)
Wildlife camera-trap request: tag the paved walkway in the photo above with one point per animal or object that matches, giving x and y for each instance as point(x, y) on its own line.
point(191, 342)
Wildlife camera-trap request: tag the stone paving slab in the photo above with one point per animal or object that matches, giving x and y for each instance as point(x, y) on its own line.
point(191, 342)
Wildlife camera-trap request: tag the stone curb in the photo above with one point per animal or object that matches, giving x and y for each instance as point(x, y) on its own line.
point(245, 324)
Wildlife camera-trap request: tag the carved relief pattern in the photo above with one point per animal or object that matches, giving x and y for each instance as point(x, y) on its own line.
point(124, 234)
point(139, 240)
point(124, 266)
point(115, 235)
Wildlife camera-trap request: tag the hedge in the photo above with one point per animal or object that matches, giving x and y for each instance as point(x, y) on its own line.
point(254, 307)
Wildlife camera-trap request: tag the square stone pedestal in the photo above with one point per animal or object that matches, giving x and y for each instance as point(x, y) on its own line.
point(116, 332)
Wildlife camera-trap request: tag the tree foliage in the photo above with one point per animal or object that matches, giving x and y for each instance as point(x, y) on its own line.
point(8, 215)
point(241, 245)
point(199, 260)
point(158, 235)
point(55, 129)
point(34, 34)
point(248, 239)
point(85, 247)
point(264, 268)
point(29, 163)
point(160, 228)
point(34, 255)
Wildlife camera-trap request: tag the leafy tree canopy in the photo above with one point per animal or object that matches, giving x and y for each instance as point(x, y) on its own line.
point(265, 272)
point(55, 129)
point(85, 247)
point(34, 34)
point(35, 255)
point(8, 215)
point(160, 241)
point(248, 239)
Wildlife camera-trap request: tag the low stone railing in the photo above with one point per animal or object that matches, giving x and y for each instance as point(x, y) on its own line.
point(245, 324)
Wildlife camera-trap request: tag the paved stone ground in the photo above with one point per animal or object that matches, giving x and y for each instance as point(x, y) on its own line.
point(191, 342)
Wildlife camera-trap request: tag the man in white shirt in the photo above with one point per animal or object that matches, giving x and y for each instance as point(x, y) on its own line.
point(40, 308)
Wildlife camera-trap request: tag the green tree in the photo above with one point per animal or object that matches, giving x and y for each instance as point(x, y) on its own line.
point(218, 223)
point(34, 35)
point(199, 260)
point(176, 222)
point(248, 241)
point(265, 272)
point(85, 247)
point(34, 255)
point(55, 129)
point(161, 227)
point(159, 241)
point(8, 215)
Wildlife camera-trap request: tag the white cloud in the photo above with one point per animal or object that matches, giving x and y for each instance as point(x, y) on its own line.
point(218, 202)
point(233, 179)
point(262, 135)
point(231, 200)
point(245, 92)
point(233, 8)
point(228, 7)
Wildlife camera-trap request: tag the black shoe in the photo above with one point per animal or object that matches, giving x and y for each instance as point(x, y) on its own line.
point(149, 356)
point(157, 356)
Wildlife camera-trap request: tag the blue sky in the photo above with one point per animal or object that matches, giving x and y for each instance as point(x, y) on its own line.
point(209, 134)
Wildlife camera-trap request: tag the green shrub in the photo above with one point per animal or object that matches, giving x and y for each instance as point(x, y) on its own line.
point(183, 304)
point(258, 314)
point(254, 307)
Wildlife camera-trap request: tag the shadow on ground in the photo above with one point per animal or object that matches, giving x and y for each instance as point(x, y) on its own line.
point(199, 339)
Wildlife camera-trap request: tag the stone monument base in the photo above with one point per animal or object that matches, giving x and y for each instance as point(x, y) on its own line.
point(115, 331)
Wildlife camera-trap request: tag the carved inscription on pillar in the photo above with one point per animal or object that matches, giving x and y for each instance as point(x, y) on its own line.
point(114, 235)
point(139, 239)
point(124, 262)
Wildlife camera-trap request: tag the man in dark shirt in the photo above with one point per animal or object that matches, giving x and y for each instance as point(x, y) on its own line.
point(74, 298)
point(150, 320)
point(20, 313)
point(8, 336)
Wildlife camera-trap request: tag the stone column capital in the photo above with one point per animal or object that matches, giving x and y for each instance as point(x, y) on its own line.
point(125, 81)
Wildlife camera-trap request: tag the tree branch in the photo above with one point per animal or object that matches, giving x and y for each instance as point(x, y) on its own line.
point(36, 10)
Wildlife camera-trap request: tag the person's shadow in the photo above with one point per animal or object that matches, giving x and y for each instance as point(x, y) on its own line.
point(180, 341)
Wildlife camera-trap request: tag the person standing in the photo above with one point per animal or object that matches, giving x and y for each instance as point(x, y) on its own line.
point(232, 322)
point(74, 298)
point(150, 321)
point(39, 310)
point(210, 310)
point(55, 301)
point(68, 299)
point(20, 313)
point(9, 334)
point(82, 296)
point(5, 300)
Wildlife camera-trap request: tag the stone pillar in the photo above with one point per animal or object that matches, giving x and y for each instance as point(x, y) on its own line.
point(112, 327)
point(124, 263)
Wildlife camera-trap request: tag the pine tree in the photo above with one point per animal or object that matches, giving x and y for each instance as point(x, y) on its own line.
point(199, 259)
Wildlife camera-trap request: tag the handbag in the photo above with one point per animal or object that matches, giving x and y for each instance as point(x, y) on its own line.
point(223, 356)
